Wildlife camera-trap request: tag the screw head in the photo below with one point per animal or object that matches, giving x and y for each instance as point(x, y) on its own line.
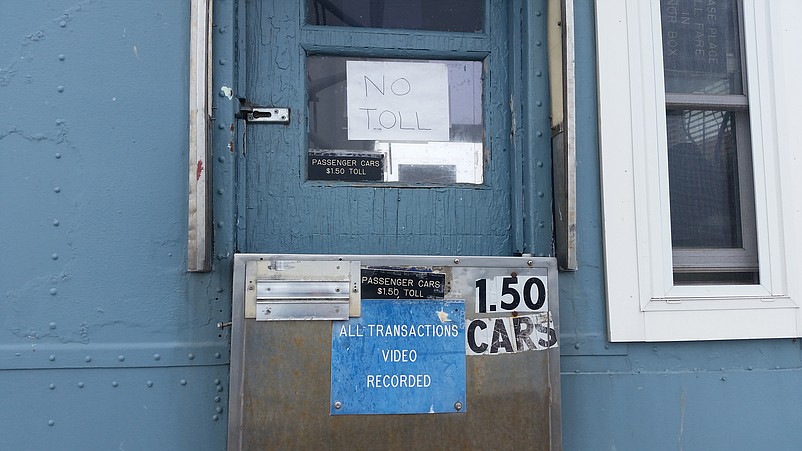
point(338, 405)
point(457, 406)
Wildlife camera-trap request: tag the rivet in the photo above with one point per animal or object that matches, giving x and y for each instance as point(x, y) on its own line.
point(540, 164)
point(114, 383)
point(121, 358)
point(221, 126)
point(456, 261)
point(52, 325)
point(540, 194)
point(183, 382)
point(80, 385)
point(530, 262)
point(52, 357)
point(723, 378)
point(60, 88)
point(87, 359)
point(217, 355)
point(457, 406)
point(221, 30)
point(55, 223)
point(51, 422)
point(221, 94)
point(217, 399)
point(149, 383)
point(539, 73)
point(576, 345)
point(62, 24)
point(539, 103)
point(217, 382)
point(338, 405)
point(57, 189)
point(222, 62)
point(58, 154)
point(220, 191)
point(215, 417)
point(219, 388)
point(54, 256)
point(53, 291)
point(191, 356)
point(156, 357)
point(538, 13)
point(220, 224)
point(538, 43)
point(219, 410)
point(541, 224)
point(61, 57)
point(52, 386)
point(221, 159)
point(539, 133)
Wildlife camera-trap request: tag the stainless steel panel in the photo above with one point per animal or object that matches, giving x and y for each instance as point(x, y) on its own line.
point(281, 376)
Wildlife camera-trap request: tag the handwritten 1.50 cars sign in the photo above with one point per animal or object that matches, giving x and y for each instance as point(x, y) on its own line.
point(397, 101)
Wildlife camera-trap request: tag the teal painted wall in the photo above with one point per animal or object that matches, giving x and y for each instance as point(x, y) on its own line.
point(732, 395)
point(106, 342)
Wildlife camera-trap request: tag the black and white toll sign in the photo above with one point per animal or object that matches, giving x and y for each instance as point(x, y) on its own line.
point(400, 101)
point(524, 322)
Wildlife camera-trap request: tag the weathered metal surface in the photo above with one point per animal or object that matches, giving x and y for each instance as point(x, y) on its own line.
point(281, 377)
point(199, 226)
point(100, 321)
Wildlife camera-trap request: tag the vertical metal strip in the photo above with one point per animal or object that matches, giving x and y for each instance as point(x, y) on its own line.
point(569, 129)
point(199, 231)
point(562, 64)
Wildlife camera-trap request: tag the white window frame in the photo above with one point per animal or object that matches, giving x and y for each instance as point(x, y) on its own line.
point(643, 302)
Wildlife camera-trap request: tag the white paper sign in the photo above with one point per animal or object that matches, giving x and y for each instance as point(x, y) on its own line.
point(397, 101)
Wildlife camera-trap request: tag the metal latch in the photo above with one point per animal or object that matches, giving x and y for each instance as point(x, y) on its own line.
point(269, 114)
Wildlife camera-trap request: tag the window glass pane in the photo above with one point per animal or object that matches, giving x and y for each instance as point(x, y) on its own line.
point(703, 179)
point(402, 121)
point(434, 15)
point(701, 47)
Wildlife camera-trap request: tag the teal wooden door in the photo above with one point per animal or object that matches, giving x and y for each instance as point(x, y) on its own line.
point(462, 184)
point(282, 210)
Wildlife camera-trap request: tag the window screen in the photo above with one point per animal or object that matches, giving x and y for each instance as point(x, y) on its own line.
point(709, 159)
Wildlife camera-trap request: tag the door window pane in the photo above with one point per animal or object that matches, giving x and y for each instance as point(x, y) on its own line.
point(404, 121)
point(701, 47)
point(434, 15)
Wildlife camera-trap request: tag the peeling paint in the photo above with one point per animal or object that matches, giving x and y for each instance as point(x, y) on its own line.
point(228, 92)
point(8, 71)
point(443, 316)
point(199, 170)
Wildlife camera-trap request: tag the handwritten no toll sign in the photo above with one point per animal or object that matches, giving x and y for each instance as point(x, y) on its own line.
point(397, 101)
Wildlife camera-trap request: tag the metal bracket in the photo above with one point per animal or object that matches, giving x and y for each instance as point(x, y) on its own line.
point(269, 114)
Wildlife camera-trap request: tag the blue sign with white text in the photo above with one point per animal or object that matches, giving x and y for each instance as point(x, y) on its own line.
point(401, 356)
